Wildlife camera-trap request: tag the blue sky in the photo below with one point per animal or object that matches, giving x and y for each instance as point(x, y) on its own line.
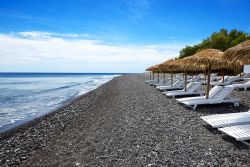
point(110, 35)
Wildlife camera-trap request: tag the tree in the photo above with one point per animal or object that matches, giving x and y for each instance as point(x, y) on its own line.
point(221, 40)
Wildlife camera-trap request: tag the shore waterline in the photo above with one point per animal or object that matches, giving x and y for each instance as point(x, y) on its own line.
point(25, 96)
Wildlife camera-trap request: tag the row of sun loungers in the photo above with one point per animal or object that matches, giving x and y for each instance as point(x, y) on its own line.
point(193, 88)
point(236, 125)
point(218, 94)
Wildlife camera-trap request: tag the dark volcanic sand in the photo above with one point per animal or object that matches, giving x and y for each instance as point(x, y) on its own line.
point(125, 123)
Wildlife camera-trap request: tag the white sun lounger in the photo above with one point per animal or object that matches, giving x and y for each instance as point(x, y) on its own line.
point(223, 120)
point(161, 83)
point(213, 91)
point(217, 96)
point(239, 132)
point(147, 81)
point(156, 83)
point(179, 84)
point(153, 81)
point(168, 84)
point(242, 86)
point(195, 79)
point(227, 80)
point(193, 88)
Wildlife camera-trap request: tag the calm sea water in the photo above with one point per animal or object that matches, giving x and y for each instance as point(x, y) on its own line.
point(25, 96)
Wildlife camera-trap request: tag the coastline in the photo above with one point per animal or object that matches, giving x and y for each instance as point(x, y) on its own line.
point(57, 120)
point(124, 122)
point(22, 123)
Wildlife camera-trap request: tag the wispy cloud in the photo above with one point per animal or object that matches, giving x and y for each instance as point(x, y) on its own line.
point(138, 8)
point(172, 37)
point(48, 35)
point(41, 51)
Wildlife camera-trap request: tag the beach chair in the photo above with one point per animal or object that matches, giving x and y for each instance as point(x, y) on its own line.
point(147, 81)
point(162, 83)
point(156, 82)
point(224, 120)
point(153, 81)
point(217, 95)
point(193, 88)
point(196, 78)
point(239, 132)
point(227, 80)
point(244, 86)
point(179, 84)
point(213, 91)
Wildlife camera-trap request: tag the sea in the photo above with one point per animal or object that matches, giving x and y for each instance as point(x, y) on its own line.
point(26, 96)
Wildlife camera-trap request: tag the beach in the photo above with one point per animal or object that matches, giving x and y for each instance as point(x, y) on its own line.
point(125, 122)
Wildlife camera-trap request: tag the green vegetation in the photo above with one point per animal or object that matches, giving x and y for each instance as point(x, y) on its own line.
point(221, 40)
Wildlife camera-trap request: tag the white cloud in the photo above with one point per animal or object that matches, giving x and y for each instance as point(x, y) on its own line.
point(138, 8)
point(41, 51)
point(45, 35)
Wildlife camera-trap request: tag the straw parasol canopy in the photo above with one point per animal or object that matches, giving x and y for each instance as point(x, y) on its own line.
point(238, 55)
point(201, 60)
point(205, 60)
point(170, 66)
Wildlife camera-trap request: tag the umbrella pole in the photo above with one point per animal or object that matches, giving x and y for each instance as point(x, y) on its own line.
point(185, 82)
point(205, 77)
point(158, 78)
point(164, 78)
point(150, 75)
point(208, 80)
point(223, 76)
point(171, 79)
point(153, 76)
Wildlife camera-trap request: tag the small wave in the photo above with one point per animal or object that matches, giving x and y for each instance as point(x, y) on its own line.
point(39, 92)
point(18, 83)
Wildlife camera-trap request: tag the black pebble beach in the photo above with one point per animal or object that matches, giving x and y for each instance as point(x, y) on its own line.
point(125, 122)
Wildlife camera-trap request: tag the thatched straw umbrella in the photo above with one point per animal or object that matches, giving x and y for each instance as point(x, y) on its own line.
point(205, 60)
point(238, 55)
point(150, 71)
point(154, 69)
point(169, 66)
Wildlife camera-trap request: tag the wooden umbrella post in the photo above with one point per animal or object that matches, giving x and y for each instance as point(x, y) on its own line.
point(185, 82)
point(158, 78)
point(164, 78)
point(153, 76)
point(150, 75)
point(208, 80)
point(223, 76)
point(171, 79)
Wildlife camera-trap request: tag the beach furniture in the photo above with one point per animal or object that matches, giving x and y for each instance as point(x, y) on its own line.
point(213, 91)
point(156, 82)
point(179, 84)
point(239, 132)
point(224, 120)
point(196, 78)
point(167, 82)
point(218, 94)
point(152, 81)
point(228, 80)
point(193, 88)
point(242, 86)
